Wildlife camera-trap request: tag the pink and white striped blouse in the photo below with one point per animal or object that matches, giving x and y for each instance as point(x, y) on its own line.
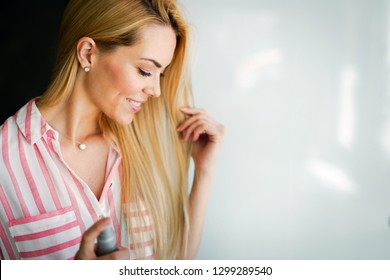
point(45, 206)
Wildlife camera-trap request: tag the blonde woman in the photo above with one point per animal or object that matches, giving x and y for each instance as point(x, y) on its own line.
point(110, 141)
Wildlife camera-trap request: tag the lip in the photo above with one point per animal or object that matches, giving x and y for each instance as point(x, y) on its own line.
point(135, 108)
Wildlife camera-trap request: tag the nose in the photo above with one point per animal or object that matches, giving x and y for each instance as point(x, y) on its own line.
point(153, 90)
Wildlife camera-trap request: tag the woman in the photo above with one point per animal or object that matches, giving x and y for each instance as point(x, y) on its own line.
point(111, 137)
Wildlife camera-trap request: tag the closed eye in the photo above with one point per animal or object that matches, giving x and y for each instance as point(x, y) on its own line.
point(143, 73)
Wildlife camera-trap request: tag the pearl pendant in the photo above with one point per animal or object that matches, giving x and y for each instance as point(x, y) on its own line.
point(82, 146)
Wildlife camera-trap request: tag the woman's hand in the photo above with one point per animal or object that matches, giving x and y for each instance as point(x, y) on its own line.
point(87, 245)
point(207, 135)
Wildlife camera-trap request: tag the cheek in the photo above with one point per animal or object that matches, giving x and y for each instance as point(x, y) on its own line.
point(115, 75)
point(125, 81)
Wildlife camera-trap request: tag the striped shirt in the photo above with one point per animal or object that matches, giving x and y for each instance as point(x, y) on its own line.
point(45, 206)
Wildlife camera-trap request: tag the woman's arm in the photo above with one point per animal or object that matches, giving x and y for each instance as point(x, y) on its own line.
point(198, 204)
point(207, 136)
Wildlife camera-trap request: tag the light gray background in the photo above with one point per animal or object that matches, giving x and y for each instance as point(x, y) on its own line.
point(302, 87)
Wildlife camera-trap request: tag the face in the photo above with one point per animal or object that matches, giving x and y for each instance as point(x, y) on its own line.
point(120, 82)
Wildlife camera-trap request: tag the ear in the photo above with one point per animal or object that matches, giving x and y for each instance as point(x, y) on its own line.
point(86, 50)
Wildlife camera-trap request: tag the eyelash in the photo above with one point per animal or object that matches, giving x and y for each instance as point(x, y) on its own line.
point(147, 74)
point(143, 73)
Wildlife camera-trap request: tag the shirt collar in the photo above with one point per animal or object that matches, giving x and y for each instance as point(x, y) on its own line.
point(31, 123)
point(33, 126)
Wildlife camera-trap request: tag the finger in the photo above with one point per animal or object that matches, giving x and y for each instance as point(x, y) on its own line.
point(192, 111)
point(200, 130)
point(189, 130)
point(188, 122)
point(89, 237)
point(121, 254)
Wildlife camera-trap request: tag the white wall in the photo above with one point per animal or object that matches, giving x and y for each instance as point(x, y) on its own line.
point(302, 87)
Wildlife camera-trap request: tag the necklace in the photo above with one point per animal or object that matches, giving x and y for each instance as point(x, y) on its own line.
point(80, 145)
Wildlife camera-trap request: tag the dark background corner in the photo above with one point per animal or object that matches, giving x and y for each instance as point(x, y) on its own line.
point(29, 40)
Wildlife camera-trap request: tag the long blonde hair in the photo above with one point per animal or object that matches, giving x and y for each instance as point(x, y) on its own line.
point(155, 161)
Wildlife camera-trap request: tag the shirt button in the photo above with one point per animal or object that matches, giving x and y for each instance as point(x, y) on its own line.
point(101, 217)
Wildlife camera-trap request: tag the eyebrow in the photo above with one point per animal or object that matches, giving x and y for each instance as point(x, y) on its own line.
point(158, 65)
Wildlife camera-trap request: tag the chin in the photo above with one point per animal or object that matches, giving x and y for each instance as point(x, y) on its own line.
point(123, 119)
point(126, 121)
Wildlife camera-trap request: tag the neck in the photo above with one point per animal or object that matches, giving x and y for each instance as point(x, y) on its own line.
point(75, 121)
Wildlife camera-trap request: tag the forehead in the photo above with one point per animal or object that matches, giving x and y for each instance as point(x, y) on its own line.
point(157, 42)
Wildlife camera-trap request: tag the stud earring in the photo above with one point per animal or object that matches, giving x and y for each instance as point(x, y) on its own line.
point(87, 69)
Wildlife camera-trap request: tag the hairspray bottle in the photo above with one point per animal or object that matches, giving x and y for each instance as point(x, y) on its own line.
point(106, 242)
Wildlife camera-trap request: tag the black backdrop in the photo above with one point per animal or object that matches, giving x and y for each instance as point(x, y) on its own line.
point(29, 39)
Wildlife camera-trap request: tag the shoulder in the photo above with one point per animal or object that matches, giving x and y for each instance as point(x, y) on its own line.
point(20, 124)
point(9, 126)
point(16, 142)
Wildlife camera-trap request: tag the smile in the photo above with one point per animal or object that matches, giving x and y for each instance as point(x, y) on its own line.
point(135, 105)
